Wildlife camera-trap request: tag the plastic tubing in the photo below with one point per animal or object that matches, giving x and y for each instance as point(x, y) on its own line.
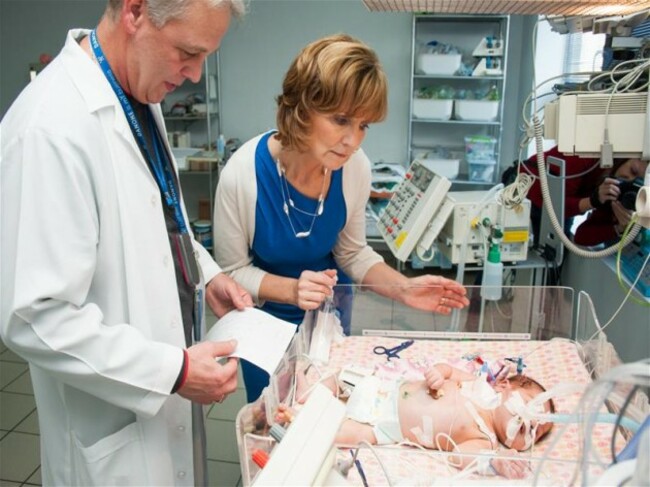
point(610, 418)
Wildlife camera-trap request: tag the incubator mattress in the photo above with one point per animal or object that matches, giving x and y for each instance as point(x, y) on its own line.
point(548, 362)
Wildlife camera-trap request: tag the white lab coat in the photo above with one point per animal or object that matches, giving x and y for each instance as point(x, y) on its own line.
point(89, 292)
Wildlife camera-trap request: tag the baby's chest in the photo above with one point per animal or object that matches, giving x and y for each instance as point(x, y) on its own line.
point(442, 413)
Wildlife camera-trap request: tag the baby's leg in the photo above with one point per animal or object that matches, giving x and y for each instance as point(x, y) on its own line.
point(305, 382)
point(352, 433)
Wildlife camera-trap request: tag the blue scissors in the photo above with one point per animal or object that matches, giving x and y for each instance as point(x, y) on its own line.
point(392, 352)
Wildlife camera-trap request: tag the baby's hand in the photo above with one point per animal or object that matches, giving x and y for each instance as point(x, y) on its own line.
point(509, 468)
point(435, 379)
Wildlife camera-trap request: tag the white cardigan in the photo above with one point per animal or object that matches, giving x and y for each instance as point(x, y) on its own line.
point(234, 219)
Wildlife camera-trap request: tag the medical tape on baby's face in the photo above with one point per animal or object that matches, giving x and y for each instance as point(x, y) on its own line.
point(522, 414)
point(534, 410)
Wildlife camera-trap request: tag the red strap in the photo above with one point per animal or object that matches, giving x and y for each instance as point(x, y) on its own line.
point(186, 369)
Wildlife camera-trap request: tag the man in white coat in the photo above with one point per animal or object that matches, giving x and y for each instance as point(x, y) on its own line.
point(102, 283)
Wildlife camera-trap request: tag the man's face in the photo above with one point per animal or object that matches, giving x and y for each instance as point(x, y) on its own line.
point(159, 60)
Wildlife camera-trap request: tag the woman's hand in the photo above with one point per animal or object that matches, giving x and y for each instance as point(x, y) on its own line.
point(434, 293)
point(313, 287)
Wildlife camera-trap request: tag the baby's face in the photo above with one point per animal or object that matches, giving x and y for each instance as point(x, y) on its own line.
point(512, 426)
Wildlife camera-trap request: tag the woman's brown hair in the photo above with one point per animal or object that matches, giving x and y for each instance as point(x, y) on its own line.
point(334, 74)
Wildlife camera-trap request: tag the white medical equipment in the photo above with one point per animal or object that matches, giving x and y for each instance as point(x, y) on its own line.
point(578, 123)
point(422, 212)
point(417, 208)
point(465, 226)
point(490, 50)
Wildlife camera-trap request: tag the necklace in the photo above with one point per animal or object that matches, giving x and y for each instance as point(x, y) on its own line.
point(287, 202)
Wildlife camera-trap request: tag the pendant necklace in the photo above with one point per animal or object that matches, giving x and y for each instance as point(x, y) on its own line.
point(287, 202)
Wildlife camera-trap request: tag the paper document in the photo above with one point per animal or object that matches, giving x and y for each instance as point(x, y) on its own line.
point(261, 338)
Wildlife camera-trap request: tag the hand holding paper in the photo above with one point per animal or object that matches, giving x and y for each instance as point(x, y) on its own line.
point(261, 338)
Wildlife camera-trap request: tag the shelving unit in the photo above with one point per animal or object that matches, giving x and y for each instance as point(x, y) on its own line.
point(465, 32)
point(198, 185)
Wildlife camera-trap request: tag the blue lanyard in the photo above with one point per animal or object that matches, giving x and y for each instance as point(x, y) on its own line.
point(161, 171)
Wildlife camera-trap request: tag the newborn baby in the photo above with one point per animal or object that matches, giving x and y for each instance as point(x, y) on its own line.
point(450, 410)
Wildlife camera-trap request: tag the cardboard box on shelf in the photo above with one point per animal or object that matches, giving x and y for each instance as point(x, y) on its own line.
point(202, 162)
point(205, 212)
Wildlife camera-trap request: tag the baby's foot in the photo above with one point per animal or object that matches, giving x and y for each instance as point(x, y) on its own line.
point(284, 414)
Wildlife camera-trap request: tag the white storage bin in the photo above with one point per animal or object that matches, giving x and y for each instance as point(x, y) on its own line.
point(447, 168)
point(432, 109)
point(444, 64)
point(481, 171)
point(482, 110)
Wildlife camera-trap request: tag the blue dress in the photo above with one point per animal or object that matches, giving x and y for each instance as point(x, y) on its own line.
point(277, 250)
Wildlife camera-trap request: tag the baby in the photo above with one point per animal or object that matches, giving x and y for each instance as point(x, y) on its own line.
point(450, 410)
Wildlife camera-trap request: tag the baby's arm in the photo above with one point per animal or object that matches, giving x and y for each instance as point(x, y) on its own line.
point(508, 468)
point(439, 373)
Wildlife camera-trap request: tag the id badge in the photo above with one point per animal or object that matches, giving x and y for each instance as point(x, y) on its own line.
point(189, 267)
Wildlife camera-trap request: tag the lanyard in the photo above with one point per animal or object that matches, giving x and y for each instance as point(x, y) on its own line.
point(161, 171)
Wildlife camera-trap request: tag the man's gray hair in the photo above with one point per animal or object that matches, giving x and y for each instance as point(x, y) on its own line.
point(162, 11)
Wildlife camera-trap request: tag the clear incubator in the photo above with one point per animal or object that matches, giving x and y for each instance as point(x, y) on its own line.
point(547, 334)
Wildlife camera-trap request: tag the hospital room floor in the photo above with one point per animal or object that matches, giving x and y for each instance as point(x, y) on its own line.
point(19, 433)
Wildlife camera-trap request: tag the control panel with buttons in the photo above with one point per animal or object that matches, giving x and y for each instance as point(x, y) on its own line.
point(411, 208)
